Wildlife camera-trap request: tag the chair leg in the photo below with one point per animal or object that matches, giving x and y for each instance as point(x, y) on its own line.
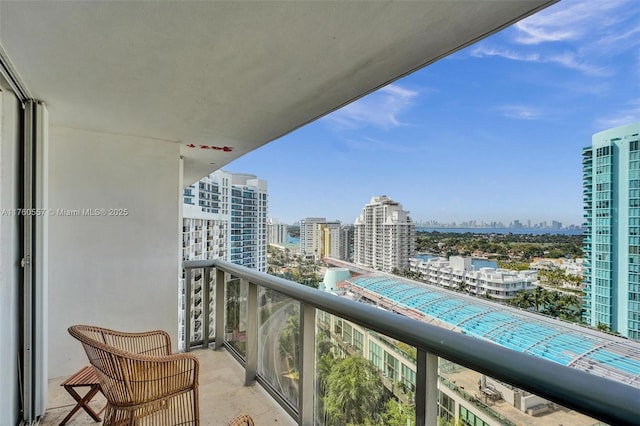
point(82, 402)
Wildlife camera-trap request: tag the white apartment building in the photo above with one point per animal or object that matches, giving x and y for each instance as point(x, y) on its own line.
point(384, 235)
point(311, 237)
point(204, 235)
point(319, 238)
point(331, 239)
point(458, 273)
point(276, 232)
point(225, 217)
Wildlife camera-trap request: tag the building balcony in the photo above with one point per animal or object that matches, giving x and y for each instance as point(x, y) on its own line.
point(221, 391)
point(277, 330)
point(116, 132)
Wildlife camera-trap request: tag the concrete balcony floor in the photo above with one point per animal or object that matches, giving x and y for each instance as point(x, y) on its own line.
point(222, 396)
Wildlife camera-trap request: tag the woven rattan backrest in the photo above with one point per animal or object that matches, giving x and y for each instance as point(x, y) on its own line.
point(118, 370)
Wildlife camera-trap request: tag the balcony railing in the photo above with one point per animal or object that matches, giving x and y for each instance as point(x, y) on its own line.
point(246, 311)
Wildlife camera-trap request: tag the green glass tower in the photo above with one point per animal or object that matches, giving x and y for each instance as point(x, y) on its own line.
point(611, 181)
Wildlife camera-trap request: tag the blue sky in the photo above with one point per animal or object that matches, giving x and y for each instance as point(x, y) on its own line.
point(493, 132)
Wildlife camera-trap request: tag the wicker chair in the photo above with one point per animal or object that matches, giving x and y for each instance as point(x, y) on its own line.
point(143, 383)
point(241, 420)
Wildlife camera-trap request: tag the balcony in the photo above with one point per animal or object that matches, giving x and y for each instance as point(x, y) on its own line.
point(222, 396)
point(104, 121)
point(270, 327)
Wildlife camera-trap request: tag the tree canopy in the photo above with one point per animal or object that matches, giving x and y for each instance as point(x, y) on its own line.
point(354, 392)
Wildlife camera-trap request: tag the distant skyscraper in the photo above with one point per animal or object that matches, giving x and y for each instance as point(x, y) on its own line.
point(331, 238)
point(346, 238)
point(319, 238)
point(276, 232)
point(611, 173)
point(225, 217)
point(384, 235)
point(311, 237)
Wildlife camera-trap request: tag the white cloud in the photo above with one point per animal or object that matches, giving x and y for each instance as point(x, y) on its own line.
point(568, 21)
point(520, 112)
point(379, 109)
point(579, 35)
point(565, 59)
point(626, 115)
point(570, 60)
point(535, 34)
point(483, 51)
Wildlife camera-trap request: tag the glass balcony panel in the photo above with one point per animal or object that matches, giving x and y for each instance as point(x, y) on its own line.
point(362, 377)
point(279, 343)
point(236, 315)
point(465, 396)
point(470, 398)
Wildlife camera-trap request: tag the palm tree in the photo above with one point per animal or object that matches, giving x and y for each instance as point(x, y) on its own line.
point(290, 340)
point(326, 362)
point(523, 300)
point(552, 303)
point(354, 392)
point(539, 298)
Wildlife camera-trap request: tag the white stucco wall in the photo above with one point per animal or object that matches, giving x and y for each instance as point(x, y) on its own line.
point(118, 272)
point(9, 260)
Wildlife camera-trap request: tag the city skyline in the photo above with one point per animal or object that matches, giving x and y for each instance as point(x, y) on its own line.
point(495, 130)
point(515, 224)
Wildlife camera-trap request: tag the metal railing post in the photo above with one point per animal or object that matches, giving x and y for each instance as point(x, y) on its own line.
point(421, 388)
point(432, 389)
point(426, 389)
point(187, 310)
point(251, 363)
point(220, 308)
point(307, 367)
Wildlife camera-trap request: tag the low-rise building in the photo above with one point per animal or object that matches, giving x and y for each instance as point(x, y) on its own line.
point(458, 273)
point(569, 266)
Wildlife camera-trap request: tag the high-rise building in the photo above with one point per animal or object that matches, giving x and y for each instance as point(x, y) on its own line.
point(276, 232)
point(311, 237)
point(319, 237)
point(611, 181)
point(225, 217)
point(346, 242)
point(331, 238)
point(384, 235)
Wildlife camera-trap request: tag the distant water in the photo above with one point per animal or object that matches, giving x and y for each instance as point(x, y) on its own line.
point(533, 231)
point(477, 263)
point(292, 240)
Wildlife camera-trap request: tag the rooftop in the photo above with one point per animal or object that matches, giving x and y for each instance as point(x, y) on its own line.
point(588, 350)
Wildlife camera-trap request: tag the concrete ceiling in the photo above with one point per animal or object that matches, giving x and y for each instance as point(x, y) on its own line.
point(227, 74)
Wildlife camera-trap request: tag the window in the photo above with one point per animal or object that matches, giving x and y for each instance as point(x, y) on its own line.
point(357, 340)
point(447, 407)
point(375, 355)
point(409, 378)
point(468, 418)
point(391, 366)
